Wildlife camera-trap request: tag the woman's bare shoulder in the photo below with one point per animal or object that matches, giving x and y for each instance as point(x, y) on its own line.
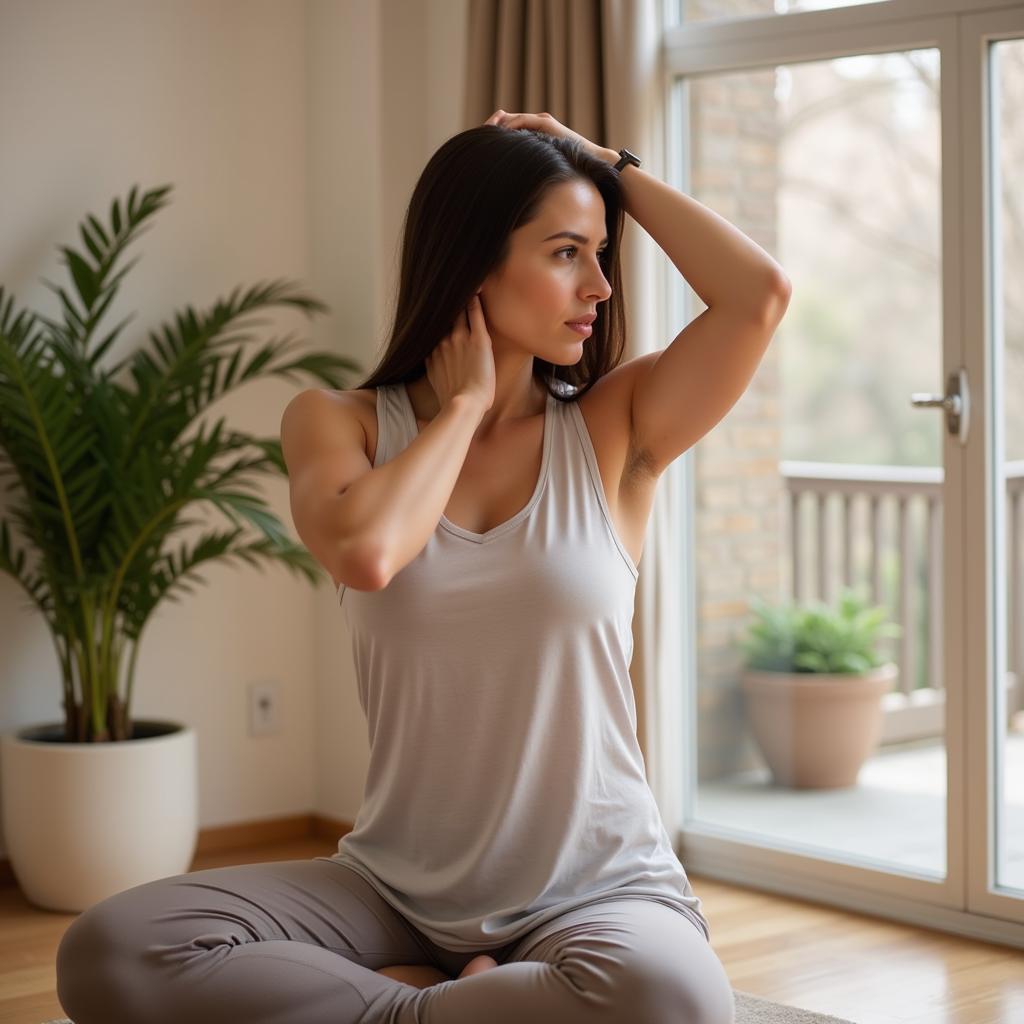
point(362, 403)
point(348, 395)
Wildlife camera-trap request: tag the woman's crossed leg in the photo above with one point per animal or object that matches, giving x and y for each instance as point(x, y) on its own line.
point(303, 942)
point(622, 960)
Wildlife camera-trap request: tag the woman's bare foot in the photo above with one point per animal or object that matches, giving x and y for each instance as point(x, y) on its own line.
point(423, 976)
point(420, 975)
point(478, 964)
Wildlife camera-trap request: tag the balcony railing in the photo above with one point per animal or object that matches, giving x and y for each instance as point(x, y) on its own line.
point(885, 531)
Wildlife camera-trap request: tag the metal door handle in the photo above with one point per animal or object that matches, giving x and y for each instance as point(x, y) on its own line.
point(956, 401)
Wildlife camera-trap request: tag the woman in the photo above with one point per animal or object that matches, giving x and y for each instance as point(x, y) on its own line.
point(480, 502)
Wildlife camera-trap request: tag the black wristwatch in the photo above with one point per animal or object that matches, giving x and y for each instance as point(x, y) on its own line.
point(627, 158)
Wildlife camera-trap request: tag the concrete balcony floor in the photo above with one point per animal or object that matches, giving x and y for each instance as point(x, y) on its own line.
point(894, 818)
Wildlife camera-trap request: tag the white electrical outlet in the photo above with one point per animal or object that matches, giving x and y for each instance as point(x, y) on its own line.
point(264, 709)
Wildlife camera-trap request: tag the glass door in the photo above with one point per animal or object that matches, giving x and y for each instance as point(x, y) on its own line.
point(876, 462)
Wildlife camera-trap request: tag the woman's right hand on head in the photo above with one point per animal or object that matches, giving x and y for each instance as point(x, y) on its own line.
point(463, 361)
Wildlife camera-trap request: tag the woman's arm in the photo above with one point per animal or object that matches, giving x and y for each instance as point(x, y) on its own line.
point(722, 265)
point(392, 510)
point(683, 391)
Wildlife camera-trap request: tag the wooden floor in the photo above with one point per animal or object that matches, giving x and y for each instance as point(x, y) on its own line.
point(868, 970)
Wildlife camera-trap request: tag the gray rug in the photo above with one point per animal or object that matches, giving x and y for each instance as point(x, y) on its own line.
point(749, 1010)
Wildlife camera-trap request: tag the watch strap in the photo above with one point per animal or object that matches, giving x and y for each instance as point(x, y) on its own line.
point(626, 157)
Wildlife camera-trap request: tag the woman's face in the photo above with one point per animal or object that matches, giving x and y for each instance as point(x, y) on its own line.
point(549, 278)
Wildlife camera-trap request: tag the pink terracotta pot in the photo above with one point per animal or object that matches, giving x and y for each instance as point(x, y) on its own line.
point(816, 729)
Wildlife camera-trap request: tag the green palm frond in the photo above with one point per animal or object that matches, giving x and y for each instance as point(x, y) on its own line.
point(105, 461)
point(192, 364)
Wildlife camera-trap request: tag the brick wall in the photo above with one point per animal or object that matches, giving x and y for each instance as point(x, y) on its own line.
point(739, 496)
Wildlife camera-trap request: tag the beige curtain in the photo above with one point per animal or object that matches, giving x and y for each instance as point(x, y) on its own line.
point(595, 66)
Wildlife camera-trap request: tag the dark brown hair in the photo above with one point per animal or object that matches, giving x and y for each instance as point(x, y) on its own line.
point(480, 186)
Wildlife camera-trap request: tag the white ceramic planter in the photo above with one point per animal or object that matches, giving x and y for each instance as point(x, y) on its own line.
point(83, 821)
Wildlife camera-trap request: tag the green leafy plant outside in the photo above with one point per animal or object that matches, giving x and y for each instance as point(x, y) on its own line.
point(812, 637)
point(103, 476)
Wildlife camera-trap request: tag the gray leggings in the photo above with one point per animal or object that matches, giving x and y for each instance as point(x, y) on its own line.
point(299, 941)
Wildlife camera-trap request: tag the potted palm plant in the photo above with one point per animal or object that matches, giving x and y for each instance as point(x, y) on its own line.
point(813, 684)
point(102, 475)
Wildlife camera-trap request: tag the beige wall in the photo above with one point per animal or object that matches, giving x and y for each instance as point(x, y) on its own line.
point(288, 133)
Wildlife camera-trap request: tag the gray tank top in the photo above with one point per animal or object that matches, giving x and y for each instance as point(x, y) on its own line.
point(506, 784)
